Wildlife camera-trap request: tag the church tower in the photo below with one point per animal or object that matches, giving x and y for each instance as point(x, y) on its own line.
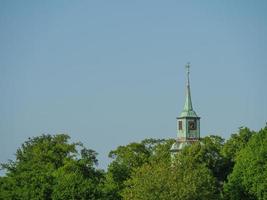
point(188, 123)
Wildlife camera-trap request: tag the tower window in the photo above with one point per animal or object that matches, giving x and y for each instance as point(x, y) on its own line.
point(180, 125)
point(192, 125)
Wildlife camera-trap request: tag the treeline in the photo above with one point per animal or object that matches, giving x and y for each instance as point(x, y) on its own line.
point(50, 167)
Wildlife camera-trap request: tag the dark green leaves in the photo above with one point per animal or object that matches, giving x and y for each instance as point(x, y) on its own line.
point(49, 167)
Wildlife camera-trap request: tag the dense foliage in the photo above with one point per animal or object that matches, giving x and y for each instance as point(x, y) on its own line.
point(50, 167)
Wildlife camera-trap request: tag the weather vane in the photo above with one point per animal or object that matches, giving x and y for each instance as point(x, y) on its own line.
point(187, 66)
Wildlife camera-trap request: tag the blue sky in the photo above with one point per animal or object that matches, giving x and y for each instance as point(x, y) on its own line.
point(112, 72)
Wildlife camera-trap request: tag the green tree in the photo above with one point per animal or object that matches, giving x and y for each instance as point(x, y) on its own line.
point(183, 179)
point(208, 152)
point(31, 173)
point(43, 165)
point(78, 179)
point(236, 142)
point(249, 177)
point(127, 159)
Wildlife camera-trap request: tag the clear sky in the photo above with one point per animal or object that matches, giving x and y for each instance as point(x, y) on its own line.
point(112, 72)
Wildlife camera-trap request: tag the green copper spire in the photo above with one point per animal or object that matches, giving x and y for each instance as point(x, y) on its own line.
point(188, 101)
point(188, 107)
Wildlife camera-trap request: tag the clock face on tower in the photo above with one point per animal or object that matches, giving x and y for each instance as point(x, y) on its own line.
point(192, 125)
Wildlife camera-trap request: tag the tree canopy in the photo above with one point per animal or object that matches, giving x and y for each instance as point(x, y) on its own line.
point(249, 177)
point(51, 167)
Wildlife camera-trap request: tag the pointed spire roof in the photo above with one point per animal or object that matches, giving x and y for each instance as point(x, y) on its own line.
point(188, 107)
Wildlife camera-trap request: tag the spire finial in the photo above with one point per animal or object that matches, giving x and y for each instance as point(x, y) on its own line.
point(187, 66)
point(188, 103)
